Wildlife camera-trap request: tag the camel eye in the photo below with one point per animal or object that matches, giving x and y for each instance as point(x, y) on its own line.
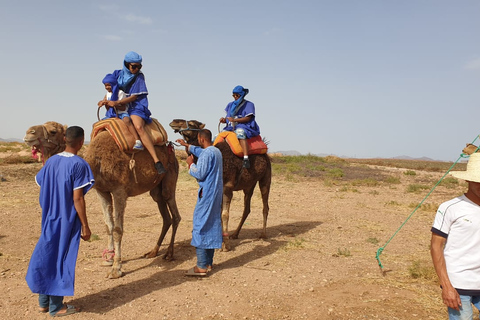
point(53, 132)
point(32, 131)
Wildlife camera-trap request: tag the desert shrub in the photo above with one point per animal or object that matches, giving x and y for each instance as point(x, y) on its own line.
point(422, 270)
point(368, 182)
point(335, 173)
point(392, 180)
point(392, 203)
point(14, 159)
point(410, 173)
point(373, 240)
point(342, 252)
point(417, 187)
point(449, 182)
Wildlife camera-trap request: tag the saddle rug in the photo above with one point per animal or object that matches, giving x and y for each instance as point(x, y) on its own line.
point(255, 144)
point(122, 136)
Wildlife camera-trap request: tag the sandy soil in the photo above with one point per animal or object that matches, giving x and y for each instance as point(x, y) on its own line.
point(317, 263)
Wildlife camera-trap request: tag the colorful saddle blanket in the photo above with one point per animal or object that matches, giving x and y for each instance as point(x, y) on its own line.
point(122, 136)
point(255, 144)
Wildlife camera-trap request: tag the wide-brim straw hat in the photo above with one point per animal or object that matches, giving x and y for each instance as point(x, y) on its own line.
point(473, 169)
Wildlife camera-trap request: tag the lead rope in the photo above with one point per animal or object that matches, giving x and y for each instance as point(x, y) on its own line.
point(380, 250)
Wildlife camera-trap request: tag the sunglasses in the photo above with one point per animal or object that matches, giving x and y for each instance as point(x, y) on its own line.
point(135, 66)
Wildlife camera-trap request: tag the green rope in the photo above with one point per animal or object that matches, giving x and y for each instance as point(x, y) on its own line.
point(380, 250)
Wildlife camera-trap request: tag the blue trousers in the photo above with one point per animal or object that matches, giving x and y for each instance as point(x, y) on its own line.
point(53, 303)
point(204, 257)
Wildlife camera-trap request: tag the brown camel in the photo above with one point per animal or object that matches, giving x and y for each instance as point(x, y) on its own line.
point(235, 178)
point(115, 181)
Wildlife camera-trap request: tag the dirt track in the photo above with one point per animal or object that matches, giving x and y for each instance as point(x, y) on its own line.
point(318, 262)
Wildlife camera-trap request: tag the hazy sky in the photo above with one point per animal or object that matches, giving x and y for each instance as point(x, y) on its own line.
point(353, 78)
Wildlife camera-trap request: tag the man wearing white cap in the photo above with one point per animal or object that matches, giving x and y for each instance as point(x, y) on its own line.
point(455, 245)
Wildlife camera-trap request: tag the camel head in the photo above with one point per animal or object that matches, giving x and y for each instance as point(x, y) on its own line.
point(46, 139)
point(188, 129)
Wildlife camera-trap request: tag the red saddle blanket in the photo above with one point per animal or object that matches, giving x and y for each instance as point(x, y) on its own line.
point(255, 144)
point(122, 136)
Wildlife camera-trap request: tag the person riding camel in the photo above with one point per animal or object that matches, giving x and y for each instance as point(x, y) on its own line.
point(132, 81)
point(240, 119)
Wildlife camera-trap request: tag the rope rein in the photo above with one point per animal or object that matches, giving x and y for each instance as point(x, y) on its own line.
point(380, 250)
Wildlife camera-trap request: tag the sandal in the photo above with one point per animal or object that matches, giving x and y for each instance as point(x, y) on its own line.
point(191, 272)
point(69, 310)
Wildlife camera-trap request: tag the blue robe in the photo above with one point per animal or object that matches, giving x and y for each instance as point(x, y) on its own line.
point(247, 109)
point(139, 107)
point(52, 266)
point(207, 216)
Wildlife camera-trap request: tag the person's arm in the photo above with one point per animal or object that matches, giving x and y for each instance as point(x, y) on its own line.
point(79, 203)
point(101, 103)
point(449, 294)
point(241, 120)
point(124, 101)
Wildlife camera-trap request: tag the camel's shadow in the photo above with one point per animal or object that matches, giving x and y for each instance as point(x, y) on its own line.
point(121, 294)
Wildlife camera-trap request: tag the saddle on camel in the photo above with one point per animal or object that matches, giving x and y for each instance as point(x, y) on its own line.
point(256, 145)
point(122, 136)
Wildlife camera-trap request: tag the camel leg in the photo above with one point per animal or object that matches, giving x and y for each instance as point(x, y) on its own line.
point(227, 198)
point(170, 215)
point(107, 208)
point(119, 204)
point(264, 185)
point(172, 205)
point(247, 199)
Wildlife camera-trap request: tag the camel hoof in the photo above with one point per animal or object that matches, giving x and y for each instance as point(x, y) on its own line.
point(115, 274)
point(234, 236)
point(150, 255)
point(168, 256)
point(225, 247)
point(107, 263)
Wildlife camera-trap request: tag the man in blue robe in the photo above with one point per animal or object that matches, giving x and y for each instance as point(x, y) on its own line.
point(207, 216)
point(240, 119)
point(63, 181)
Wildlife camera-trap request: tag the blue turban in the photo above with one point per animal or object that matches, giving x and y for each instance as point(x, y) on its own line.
point(237, 103)
point(125, 78)
point(133, 57)
point(112, 80)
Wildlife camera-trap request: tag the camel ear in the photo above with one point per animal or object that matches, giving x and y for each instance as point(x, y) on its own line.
point(65, 128)
point(202, 126)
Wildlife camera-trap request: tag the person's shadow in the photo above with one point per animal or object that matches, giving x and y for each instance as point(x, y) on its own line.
point(109, 299)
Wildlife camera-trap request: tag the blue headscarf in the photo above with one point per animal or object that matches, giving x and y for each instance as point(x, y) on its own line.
point(125, 77)
point(236, 104)
point(112, 80)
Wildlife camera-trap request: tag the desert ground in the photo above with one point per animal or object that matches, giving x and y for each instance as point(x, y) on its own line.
point(328, 217)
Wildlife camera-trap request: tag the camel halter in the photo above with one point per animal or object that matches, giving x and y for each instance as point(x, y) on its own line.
point(47, 139)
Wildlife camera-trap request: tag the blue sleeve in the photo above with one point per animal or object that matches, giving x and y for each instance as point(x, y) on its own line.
point(83, 177)
point(200, 170)
point(195, 150)
point(139, 87)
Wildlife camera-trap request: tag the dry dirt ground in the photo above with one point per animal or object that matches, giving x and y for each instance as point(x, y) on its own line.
point(317, 263)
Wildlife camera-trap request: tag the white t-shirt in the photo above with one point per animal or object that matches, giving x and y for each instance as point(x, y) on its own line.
point(458, 220)
point(121, 95)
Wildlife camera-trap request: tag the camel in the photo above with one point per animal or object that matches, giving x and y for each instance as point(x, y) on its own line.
point(235, 178)
point(115, 182)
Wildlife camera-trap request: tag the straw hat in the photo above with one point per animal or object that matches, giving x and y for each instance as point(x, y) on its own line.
point(473, 169)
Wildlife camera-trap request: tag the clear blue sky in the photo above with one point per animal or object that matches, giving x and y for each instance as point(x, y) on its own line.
point(353, 78)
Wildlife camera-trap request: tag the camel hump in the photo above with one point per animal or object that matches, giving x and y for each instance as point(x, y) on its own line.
point(256, 145)
point(156, 132)
point(122, 136)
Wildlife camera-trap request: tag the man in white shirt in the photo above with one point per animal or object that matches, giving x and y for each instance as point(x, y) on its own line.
point(455, 245)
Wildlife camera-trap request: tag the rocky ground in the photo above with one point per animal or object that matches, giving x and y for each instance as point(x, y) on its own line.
point(317, 263)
